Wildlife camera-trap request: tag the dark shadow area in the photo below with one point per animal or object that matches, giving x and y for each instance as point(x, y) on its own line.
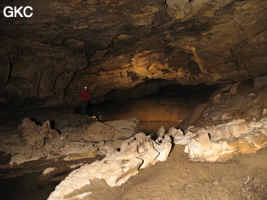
point(25, 187)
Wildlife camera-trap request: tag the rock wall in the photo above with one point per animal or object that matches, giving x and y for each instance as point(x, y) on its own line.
point(241, 100)
point(121, 43)
point(233, 121)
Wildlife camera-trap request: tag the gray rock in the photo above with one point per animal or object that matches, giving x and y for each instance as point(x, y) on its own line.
point(113, 130)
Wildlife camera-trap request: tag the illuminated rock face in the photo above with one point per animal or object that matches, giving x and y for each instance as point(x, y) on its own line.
point(233, 122)
point(116, 168)
point(120, 43)
point(222, 142)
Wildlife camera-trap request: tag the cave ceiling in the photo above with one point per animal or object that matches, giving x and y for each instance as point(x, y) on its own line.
point(108, 44)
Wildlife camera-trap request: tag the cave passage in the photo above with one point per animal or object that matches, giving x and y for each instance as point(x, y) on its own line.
point(154, 103)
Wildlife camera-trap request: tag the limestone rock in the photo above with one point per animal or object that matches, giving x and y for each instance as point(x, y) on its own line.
point(40, 141)
point(78, 150)
point(222, 142)
point(179, 138)
point(118, 44)
point(161, 131)
point(245, 100)
point(164, 148)
point(48, 170)
point(127, 127)
point(184, 8)
point(115, 169)
point(113, 130)
point(105, 147)
point(175, 132)
point(21, 158)
point(202, 149)
point(35, 135)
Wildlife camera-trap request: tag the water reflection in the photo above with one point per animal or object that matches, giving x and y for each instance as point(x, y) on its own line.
point(152, 127)
point(25, 187)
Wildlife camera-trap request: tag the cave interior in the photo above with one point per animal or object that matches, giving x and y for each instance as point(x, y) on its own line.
point(197, 68)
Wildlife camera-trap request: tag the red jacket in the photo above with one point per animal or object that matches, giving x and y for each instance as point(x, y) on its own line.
point(85, 95)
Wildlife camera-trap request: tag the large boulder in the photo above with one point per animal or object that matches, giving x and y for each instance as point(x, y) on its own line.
point(113, 130)
point(34, 135)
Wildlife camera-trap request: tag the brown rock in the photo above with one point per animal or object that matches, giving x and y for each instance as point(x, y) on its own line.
point(119, 44)
point(35, 135)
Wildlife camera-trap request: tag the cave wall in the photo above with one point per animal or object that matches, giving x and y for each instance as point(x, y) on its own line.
point(242, 100)
point(109, 44)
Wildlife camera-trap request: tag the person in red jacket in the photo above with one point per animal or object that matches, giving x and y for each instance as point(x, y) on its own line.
point(85, 95)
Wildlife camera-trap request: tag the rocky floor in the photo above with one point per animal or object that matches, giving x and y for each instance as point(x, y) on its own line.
point(243, 177)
